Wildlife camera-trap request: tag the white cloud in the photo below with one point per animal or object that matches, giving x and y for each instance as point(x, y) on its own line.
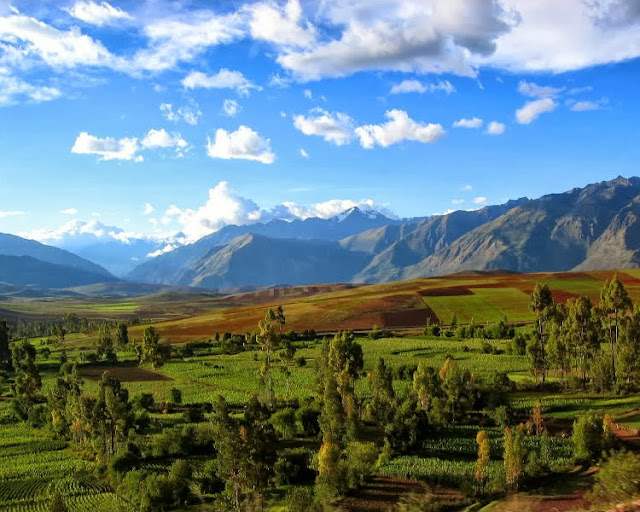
point(98, 14)
point(308, 94)
point(303, 153)
point(408, 86)
point(495, 128)
point(436, 36)
point(466, 188)
point(77, 233)
point(400, 127)
point(533, 109)
point(164, 250)
point(584, 106)
point(480, 200)
point(457, 201)
point(244, 143)
point(189, 113)
point(538, 91)
point(223, 79)
point(225, 207)
point(162, 139)
point(107, 148)
point(11, 213)
point(474, 122)
point(69, 211)
point(148, 209)
point(14, 90)
point(336, 127)
point(281, 25)
point(559, 36)
point(231, 108)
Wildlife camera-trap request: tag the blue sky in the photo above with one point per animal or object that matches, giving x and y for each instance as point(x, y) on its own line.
point(148, 118)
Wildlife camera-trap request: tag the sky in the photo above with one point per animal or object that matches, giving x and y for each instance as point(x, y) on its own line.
point(145, 118)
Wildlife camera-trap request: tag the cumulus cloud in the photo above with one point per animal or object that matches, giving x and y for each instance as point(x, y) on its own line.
point(223, 79)
point(98, 14)
point(303, 153)
point(533, 109)
point(14, 90)
point(400, 127)
point(244, 143)
point(336, 127)
point(163, 139)
point(231, 108)
point(164, 250)
point(408, 86)
point(225, 207)
point(474, 122)
point(69, 211)
point(436, 36)
point(11, 213)
point(108, 148)
point(480, 200)
point(538, 91)
point(189, 113)
point(584, 106)
point(495, 128)
point(281, 25)
point(148, 209)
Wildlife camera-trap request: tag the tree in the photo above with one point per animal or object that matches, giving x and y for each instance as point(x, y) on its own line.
point(111, 414)
point(425, 385)
point(536, 417)
point(280, 318)
point(27, 383)
point(454, 384)
point(514, 456)
point(268, 340)
point(615, 300)
point(587, 436)
point(104, 343)
point(484, 456)
point(122, 334)
point(381, 385)
point(287, 356)
point(5, 351)
point(629, 349)
point(154, 351)
point(541, 304)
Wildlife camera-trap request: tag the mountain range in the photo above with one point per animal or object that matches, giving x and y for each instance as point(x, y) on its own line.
point(595, 227)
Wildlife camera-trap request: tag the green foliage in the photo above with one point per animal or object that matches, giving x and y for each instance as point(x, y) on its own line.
point(617, 481)
point(587, 437)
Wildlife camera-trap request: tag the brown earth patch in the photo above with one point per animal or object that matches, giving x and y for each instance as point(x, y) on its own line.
point(451, 291)
point(380, 494)
point(123, 373)
point(408, 317)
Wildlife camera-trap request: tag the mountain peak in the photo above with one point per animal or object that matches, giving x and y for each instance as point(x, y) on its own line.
point(359, 212)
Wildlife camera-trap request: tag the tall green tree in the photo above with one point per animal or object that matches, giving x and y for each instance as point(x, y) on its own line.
point(269, 340)
point(381, 386)
point(582, 333)
point(614, 300)
point(153, 350)
point(541, 305)
point(426, 385)
point(122, 334)
point(484, 456)
point(111, 415)
point(27, 382)
point(5, 350)
point(287, 356)
point(104, 342)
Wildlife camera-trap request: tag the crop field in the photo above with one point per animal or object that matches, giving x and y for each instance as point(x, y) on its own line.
point(33, 467)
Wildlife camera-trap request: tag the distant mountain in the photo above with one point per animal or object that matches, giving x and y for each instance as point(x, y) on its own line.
point(261, 261)
point(596, 227)
point(11, 245)
point(402, 246)
point(26, 271)
point(165, 268)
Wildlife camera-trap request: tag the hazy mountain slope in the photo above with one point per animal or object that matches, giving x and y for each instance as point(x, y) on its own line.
point(428, 236)
point(164, 269)
point(261, 261)
point(553, 233)
point(25, 270)
point(11, 245)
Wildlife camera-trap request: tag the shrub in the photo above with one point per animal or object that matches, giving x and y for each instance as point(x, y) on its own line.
point(617, 480)
point(292, 467)
point(587, 437)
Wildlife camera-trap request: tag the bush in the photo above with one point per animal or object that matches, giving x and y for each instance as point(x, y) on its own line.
point(587, 437)
point(360, 461)
point(284, 422)
point(307, 418)
point(176, 396)
point(617, 480)
point(292, 467)
point(301, 361)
